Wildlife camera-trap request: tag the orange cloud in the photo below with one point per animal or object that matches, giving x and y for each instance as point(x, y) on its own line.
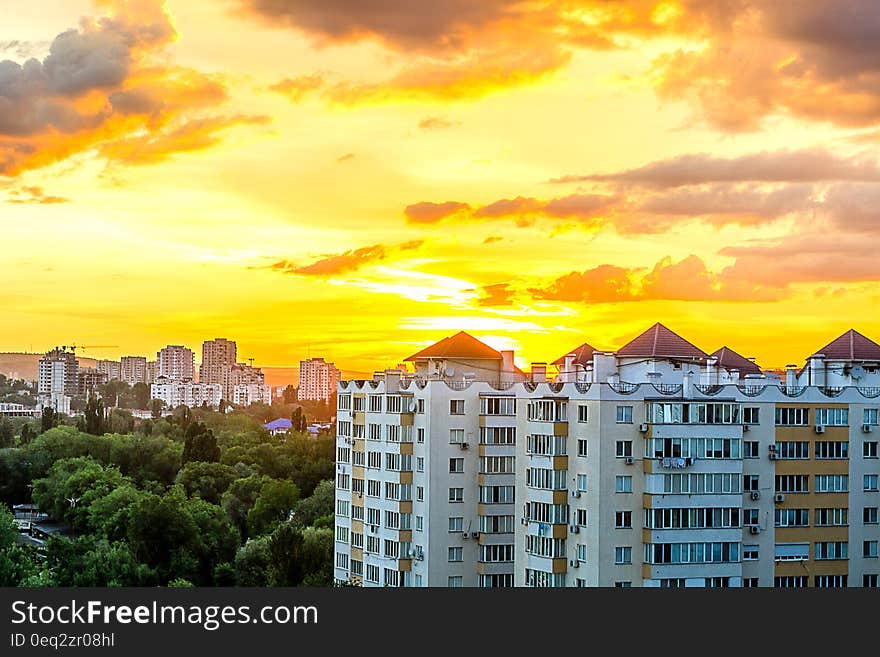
point(295, 89)
point(106, 87)
point(346, 262)
point(431, 213)
point(437, 123)
point(34, 194)
point(500, 294)
point(686, 280)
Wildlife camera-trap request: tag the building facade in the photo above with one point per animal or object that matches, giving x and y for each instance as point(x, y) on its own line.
point(656, 465)
point(218, 358)
point(252, 393)
point(177, 363)
point(317, 379)
point(110, 368)
point(133, 369)
point(175, 393)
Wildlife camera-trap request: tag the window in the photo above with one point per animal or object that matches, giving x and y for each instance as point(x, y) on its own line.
point(420, 435)
point(702, 552)
point(420, 464)
point(792, 484)
point(497, 524)
point(870, 482)
point(716, 582)
point(498, 464)
point(342, 508)
point(869, 581)
point(623, 448)
point(375, 402)
point(832, 483)
point(623, 555)
point(544, 445)
point(750, 552)
point(343, 455)
point(791, 582)
point(359, 458)
point(357, 540)
point(420, 405)
point(792, 449)
point(792, 417)
point(830, 550)
point(497, 494)
point(869, 449)
point(750, 482)
point(502, 553)
point(623, 520)
point(832, 449)
point(392, 519)
point(832, 417)
point(869, 515)
point(456, 465)
point(751, 449)
point(750, 415)
point(718, 483)
point(791, 517)
point(829, 581)
point(792, 551)
point(456, 406)
point(395, 404)
point(624, 414)
point(456, 524)
point(673, 583)
point(751, 517)
point(693, 518)
point(374, 488)
point(869, 549)
point(580, 583)
point(420, 494)
point(623, 484)
point(583, 413)
point(374, 460)
point(582, 483)
point(374, 431)
point(582, 446)
point(498, 406)
point(750, 582)
point(420, 523)
point(455, 554)
point(456, 494)
point(623, 585)
point(357, 513)
point(372, 574)
point(832, 517)
point(581, 517)
point(456, 436)
point(343, 402)
point(548, 410)
point(392, 549)
point(871, 416)
point(342, 534)
point(455, 581)
point(498, 435)
point(546, 479)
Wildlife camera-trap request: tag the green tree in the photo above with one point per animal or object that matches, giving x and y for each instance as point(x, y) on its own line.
point(240, 498)
point(277, 499)
point(120, 421)
point(27, 433)
point(200, 444)
point(317, 556)
point(86, 561)
point(218, 539)
point(17, 563)
point(94, 416)
point(7, 432)
point(253, 563)
point(156, 407)
point(319, 504)
point(141, 394)
point(207, 481)
point(48, 420)
point(81, 479)
point(298, 418)
point(110, 515)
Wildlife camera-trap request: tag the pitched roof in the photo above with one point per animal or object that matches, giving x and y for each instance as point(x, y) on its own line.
point(852, 345)
point(659, 341)
point(729, 359)
point(280, 423)
point(582, 355)
point(460, 345)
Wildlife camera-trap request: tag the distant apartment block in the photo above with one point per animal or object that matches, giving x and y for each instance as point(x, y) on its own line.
point(654, 465)
point(17, 410)
point(177, 363)
point(109, 368)
point(218, 358)
point(317, 379)
point(57, 373)
point(133, 369)
point(252, 393)
point(88, 381)
point(152, 371)
point(186, 393)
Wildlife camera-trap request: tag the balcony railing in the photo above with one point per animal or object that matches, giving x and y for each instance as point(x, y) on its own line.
point(624, 388)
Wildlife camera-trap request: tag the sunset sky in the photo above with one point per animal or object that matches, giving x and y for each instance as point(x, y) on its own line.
point(356, 179)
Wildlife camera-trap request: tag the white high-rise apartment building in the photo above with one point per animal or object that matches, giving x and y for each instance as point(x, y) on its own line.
point(176, 362)
point(218, 360)
point(317, 379)
point(175, 393)
point(58, 379)
point(133, 369)
point(657, 464)
point(109, 368)
point(252, 393)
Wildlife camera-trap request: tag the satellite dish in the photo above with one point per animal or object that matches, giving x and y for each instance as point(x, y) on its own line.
point(857, 372)
point(449, 371)
point(412, 406)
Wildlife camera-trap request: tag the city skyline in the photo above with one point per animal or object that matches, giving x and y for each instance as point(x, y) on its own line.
point(361, 184)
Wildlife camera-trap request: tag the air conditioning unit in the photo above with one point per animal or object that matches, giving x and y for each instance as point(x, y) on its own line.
point(772, 456)
point(575, 493)
point(524, 521)
point(629, 460)
point(820, 428)
point(779, 497)
point(462, 445)
point(574, 529)
point(573, 563)
point(867, 428)
point(771, 447)
point(755, 495)
point(690, 460)
point(475, 534)
point(754, 529)
point(746, 427)
point(465, 535)
point(643, 427)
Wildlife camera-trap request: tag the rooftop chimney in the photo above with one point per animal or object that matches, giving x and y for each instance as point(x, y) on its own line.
point(539, 372)
point(790, 375)
point(508, 369)
point(568, 369)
